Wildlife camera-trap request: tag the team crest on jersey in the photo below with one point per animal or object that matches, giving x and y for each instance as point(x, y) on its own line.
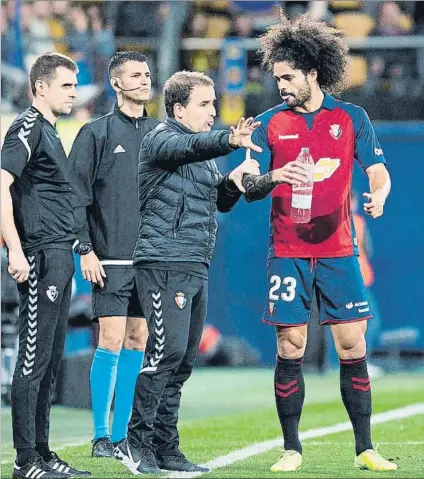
point(271, 308)
point(181, 300)
point(335, 131)
point(325, 167)
point(52, 293)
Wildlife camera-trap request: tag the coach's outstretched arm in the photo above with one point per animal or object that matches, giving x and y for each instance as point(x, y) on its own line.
point(169, 149)
point(259, 187)
point(230, 187)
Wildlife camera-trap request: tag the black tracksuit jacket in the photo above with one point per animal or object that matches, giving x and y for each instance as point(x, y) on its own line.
point(104, 160)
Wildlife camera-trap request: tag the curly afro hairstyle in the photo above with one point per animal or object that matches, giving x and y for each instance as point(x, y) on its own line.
point(307, 44)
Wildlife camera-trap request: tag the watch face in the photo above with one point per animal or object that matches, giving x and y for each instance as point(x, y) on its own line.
point(85, 248)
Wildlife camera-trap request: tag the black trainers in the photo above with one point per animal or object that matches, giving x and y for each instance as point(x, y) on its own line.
point(61, 466)
point(116, 444)
point(176, 461)
point(138, 461)
point(102, 447)
point(36, 468)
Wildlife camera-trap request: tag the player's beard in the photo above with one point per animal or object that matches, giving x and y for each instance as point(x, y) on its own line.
point(303, 95)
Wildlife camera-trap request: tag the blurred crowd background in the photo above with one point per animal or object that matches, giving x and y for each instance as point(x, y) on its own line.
point(386, 38)
point(386, 77)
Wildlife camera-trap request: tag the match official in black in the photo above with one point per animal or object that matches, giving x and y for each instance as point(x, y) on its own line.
point(37, 223)
point(180, 192)
point(104, 161)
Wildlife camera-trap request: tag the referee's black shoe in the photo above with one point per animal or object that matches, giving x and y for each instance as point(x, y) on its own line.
point(57, 464)
point(102, 447)
point(140, 460)
point(36, 468)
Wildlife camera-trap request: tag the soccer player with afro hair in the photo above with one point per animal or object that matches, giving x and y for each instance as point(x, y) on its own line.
point(309, 61)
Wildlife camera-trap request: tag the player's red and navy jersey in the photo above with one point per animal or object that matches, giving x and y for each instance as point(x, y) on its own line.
point(336, 134)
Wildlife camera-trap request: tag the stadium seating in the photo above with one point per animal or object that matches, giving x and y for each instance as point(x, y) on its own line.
point(357, 71)
point(354, 24)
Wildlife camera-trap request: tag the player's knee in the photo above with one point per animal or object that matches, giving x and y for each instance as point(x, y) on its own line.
point(350, 347)
point(291, 342)
point(110, 339)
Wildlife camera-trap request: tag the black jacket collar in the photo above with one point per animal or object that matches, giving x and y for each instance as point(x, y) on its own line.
point(125, 117)
point(178, 126)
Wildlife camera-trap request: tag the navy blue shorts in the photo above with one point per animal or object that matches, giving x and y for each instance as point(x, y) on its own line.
point(337, 282)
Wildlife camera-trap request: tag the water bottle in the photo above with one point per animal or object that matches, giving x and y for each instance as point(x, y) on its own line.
point(301, 204)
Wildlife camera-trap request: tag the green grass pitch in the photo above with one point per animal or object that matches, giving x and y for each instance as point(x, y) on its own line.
point(226, 410)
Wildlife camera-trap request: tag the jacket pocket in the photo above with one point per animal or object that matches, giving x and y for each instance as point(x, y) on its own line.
point(41, 264)
point(178, 217)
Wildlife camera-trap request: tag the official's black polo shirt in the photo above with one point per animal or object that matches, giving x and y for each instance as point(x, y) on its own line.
point(41, 193)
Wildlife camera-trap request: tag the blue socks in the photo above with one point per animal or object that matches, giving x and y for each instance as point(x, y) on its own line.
point(130, 363)
point(102, 382)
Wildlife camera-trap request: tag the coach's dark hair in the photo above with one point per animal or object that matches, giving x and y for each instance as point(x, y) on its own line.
point(307, 44)
point(45, 66)
point(117, 61)
point(178, 87)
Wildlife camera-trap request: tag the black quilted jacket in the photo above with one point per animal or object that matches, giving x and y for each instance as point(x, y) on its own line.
point(180, 192)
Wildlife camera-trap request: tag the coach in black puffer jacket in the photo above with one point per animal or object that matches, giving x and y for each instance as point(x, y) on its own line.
point(180, 191)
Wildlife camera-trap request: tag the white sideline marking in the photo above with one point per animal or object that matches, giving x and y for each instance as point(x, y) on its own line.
point(261, 447)
point(379, 443)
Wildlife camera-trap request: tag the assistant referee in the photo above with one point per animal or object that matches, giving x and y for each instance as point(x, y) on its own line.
point(104, 161)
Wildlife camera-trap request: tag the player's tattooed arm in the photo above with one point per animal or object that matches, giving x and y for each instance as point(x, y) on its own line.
point(258, 187)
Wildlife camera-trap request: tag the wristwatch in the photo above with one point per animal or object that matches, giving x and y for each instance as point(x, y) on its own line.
point(84, 248)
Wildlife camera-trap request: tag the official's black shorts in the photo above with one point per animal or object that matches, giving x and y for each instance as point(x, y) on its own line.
point(119, 295)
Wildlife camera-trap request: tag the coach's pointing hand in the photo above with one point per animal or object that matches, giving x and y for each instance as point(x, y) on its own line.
point(92, 270)
point(248, 166)
point(241, 135)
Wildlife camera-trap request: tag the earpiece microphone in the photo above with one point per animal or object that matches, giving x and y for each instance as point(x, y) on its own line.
point(125, 89)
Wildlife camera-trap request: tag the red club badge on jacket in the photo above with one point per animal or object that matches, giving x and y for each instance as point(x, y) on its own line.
point(181, 300)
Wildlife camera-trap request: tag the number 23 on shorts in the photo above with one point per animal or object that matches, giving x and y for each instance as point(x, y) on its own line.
point(289, 293)
point(284, 288)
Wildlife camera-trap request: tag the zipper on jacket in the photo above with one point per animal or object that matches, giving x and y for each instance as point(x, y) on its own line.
point(136, 124)
point(210, 227)
point(178, 216)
